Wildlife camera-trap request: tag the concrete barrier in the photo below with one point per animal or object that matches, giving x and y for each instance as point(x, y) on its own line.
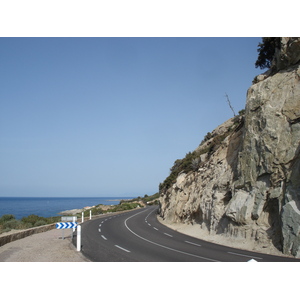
point(22, 234)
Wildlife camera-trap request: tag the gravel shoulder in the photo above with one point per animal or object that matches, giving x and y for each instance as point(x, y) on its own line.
point(239, 243)
point(42, 247)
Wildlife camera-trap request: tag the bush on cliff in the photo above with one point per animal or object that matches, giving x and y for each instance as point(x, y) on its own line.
point(266, 52)
point(191, 162)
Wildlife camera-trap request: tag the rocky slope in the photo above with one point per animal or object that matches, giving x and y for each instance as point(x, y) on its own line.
point(246, 183)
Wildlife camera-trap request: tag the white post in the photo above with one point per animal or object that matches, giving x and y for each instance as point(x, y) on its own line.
point(90, 214)
point(82, 218)
point(78, 237)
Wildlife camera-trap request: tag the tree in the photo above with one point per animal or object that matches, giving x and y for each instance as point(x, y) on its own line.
point(266, 52)
point(229, 103)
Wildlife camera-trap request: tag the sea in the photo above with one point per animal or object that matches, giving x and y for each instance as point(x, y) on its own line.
point(50, 207)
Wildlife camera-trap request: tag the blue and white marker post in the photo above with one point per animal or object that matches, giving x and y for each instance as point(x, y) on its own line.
point(65, 225)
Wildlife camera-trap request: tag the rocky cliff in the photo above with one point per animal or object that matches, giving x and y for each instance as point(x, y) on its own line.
point(246, 183)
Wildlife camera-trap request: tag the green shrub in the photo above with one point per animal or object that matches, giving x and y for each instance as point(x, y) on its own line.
point(33, 219)
point(8, 222)
point(11, 224)
point(40, 223)
point(186, 165)
point(6, 218)
point(97, 210)
point(52, 220)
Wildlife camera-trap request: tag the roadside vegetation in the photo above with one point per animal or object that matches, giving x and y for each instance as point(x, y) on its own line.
point(9, 222)
point(148, 200)
point(122, 206)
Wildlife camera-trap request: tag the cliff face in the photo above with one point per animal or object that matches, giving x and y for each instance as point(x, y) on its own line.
point(249, 186)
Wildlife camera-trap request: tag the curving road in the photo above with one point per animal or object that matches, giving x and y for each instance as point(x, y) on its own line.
point(138, 236)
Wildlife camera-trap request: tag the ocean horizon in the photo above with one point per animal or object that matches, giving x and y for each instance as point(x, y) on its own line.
point(50, 206)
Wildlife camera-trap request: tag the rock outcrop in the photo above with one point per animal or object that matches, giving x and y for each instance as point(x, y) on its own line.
point(247, 184)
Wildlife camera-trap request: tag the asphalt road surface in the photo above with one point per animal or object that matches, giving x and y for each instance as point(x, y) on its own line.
point(137, 236)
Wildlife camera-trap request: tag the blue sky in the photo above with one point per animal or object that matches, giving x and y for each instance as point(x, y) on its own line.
point(109, 116)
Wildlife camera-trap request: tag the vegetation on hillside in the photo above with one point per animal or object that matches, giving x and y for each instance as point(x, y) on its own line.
point(123, 205)
point(99, 209)
point(192, 162)
point(149, 200)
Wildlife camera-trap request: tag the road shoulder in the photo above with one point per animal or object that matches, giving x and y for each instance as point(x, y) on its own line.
point(42, 247)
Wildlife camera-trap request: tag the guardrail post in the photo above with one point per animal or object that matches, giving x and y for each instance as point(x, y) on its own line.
point(90, 214)
point(82, 218)
point(78, 237)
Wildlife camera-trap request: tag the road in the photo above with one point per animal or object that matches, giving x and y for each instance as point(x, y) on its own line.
point(137, 236)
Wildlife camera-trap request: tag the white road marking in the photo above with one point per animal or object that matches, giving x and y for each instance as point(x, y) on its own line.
point(99, 229)
point(149, 214)
point(122, 248)
point(175, 250)
point(155, 228)
point(244, 255)
point(103, 237)
point(168, 234)
point(193, 243)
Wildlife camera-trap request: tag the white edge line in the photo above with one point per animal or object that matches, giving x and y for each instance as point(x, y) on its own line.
point(125, 222)
point(103, 237)
point(244, 255)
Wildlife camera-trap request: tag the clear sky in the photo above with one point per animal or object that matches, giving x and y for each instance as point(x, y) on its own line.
point(109, 116)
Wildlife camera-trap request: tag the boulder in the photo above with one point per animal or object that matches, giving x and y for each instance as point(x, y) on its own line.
point(240, 207)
